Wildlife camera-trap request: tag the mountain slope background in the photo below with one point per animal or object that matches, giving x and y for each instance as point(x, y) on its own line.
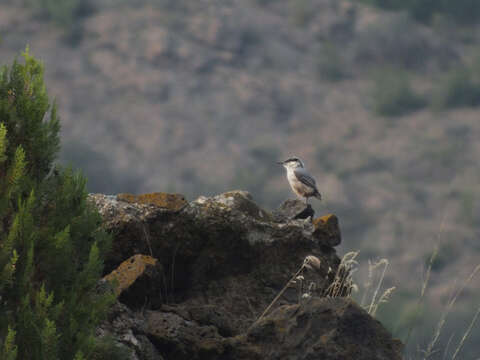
point(202, 97)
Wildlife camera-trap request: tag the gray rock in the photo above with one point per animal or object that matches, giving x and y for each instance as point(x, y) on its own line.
point(323, 329)
point(183, 339)
point(293, 210)
point(128, 328)
point(224, 259)
point(223, 251)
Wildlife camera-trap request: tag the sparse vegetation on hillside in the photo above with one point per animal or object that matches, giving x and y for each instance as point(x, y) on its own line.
point(462, 11)
point(63, 12)
point(330, 64)
point(392, 94)
point(457, 88)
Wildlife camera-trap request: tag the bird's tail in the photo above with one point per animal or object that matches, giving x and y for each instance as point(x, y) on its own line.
point(317, 195)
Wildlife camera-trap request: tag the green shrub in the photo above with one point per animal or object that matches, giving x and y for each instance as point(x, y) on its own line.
point(462, 11)
point(301, 12)
point(61, 12)
point(263, 2)
point(393, 95)
point(395, 43)
point(457, 89)
point(329, 65)
point(65, 13)
point(51, 243)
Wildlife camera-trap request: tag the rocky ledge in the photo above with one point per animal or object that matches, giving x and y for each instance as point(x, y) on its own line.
point(193, 278)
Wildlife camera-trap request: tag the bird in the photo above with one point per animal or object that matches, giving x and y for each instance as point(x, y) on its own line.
point(301, 182)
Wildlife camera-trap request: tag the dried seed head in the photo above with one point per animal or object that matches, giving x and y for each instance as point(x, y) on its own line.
point(312, 262)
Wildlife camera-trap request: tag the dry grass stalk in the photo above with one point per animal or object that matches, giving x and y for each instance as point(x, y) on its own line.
point(373, 304)
point(438, 330)
point(423, 291)
point(308, 263)
point(427, 277)
point(383, 299)
point(368, 284)
point(342, 284)
point(466, 335)
point(445, 352)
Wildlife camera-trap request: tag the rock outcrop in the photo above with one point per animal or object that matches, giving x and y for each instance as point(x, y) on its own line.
point(202, 272)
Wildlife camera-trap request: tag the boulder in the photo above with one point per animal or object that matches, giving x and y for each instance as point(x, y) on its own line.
point(223, 260)
point(223, 251)
point(315, 329)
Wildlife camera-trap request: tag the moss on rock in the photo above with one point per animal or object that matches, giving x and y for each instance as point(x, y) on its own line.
point(173, 202)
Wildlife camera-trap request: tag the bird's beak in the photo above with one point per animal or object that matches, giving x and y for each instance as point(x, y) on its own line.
point(280, 162)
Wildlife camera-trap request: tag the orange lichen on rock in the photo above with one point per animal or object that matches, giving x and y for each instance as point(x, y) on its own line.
point(173, 202)
point(327, 229)
point(326, 219)
point(129, 271)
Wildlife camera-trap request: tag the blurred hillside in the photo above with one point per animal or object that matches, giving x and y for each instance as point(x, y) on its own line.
point(199, 97)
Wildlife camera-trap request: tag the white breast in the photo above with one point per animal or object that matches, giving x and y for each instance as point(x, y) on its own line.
point(298, 188)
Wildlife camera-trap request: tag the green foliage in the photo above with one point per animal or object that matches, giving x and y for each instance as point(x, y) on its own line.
point(10, 350)
point(393, 95)
point(3, 143)
point(462, 11)
point(51, 244)
point(396, 43)
point(68, 14)
point(62, 12)
point(301, 12)
point(23, 108)
point(458, 88)
point(329, 64)
point(263, 2)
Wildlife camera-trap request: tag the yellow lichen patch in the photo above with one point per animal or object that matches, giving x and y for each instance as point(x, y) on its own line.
point(173, 202)
point(129, 271)
point(327, 229)
point(326, 220)
point(210, 346)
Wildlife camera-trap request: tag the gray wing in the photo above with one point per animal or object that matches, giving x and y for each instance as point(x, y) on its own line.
point(305, 178)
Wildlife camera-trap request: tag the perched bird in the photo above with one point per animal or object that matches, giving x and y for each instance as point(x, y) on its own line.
point(301, 182)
